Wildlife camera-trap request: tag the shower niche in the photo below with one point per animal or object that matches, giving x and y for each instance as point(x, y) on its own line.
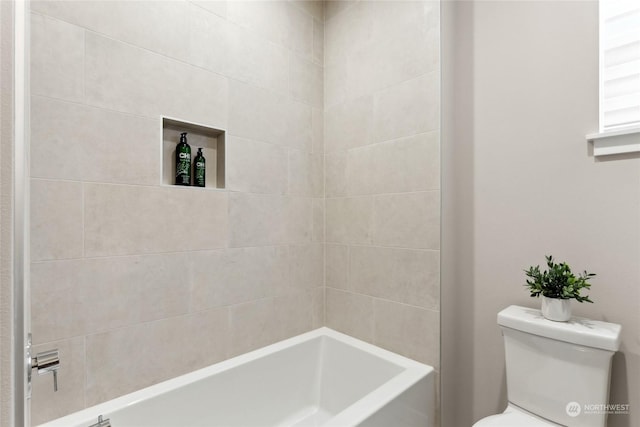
point(212, 142)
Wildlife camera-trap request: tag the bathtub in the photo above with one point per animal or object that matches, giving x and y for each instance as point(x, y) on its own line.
point(320, 378)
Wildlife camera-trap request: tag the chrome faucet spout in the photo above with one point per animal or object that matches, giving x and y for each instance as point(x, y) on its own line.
point(101, 422)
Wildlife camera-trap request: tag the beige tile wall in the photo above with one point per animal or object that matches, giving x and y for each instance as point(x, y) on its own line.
point(382, 174)
point(126, 270)
point(9, 87)
point(332, 177)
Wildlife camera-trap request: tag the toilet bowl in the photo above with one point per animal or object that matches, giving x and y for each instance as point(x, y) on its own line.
point(554, 369)
point(514, 417)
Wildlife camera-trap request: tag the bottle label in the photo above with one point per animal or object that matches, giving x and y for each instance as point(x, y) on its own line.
point(183, 172)
point(199, 174)
point(183, 167)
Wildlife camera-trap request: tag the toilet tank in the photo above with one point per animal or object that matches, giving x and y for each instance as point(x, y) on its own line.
point(558, 370)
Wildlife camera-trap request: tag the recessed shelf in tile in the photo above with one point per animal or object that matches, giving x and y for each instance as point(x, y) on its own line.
point(211, 140)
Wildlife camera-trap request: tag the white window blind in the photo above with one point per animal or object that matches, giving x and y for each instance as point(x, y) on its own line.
point(619, 64)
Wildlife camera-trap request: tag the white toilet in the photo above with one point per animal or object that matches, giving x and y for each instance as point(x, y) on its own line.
point(557, 372)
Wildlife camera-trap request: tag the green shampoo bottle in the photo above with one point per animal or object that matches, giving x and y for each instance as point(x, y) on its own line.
point(199, 169)
point(183, 161)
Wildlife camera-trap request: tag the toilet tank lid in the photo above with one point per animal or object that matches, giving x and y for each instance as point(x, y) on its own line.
point(578, 330)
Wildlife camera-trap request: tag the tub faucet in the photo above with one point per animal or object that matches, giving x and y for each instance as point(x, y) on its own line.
point(45, 362)
point(101, 422)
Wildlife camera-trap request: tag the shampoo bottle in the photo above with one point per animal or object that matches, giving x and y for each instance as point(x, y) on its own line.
point(183, 161)
point(199, 169)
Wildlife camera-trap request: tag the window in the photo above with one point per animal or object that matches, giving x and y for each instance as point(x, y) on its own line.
point(619, 78)
point(619, 64)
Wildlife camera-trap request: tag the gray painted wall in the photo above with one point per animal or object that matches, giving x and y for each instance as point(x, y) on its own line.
point(520, 92)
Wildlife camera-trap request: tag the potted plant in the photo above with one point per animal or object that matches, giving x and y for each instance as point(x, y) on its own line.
point(558, 286)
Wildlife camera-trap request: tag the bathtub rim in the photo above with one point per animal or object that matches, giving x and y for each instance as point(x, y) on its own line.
point(359, 411)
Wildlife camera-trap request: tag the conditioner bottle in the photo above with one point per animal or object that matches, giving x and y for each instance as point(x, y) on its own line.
point(199, 169)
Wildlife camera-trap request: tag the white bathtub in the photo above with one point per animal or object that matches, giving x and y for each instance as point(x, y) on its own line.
point(321, 378)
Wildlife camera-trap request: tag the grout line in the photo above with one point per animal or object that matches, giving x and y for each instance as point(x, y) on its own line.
point(374, 329)
point(230, 333)
point(359, 196)
point(434, 132)
point(85, 373)
point(226, 248)
point(297, 6)
point(184, 252)
point(348, 284)
point(207, 10)
point(149, 118)
point(350, 99)
point(384, 299)
point(86, 105)
point(324, 245)
point(339, 13)
point(181, 188)
point(386, 141)
point(226, 307)
point(84, 66)
point(84, 219)
point(288, 171)
point(371, 231)
point(378, 246)
point(181, 61)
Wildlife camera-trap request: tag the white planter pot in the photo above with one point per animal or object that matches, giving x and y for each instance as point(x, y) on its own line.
point(556, 309)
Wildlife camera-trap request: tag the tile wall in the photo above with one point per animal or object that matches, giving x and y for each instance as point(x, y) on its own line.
point(333, 184)
point(382, 174)
point(125, 270)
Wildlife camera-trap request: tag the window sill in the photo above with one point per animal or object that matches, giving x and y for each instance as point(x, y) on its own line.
point(616, 142)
